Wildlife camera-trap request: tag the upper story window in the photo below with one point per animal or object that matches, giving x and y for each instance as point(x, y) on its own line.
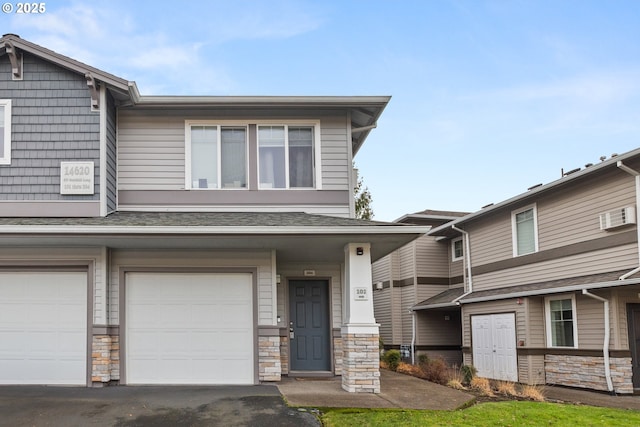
point(562, 325)
point(525, 231)
point(5, 131)
point(216, 156)
point(286, 156)
point(457, 251)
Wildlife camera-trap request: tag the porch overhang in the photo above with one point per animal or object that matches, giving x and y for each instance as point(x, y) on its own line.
point(294, 236)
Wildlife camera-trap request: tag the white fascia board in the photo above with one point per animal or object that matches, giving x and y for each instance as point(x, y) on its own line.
point(433, 306)
point(69, 229)
point(563, 289)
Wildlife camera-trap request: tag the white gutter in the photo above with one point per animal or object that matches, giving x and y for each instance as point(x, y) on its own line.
point(467, 260)
point(268, 230)
point(607, 337)
point(636, 174)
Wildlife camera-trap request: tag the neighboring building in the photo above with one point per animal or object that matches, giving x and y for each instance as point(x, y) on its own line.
point(551, 283)
point(418, 271)
point(180, 240)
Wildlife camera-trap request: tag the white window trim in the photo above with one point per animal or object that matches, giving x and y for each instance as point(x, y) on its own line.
point(6, 154)
point(514, 229)
point(453, 249)
point(187, 151)
point(316, 151)
point(547, 315)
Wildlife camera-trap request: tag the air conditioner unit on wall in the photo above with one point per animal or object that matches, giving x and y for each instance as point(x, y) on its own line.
point(617, 218)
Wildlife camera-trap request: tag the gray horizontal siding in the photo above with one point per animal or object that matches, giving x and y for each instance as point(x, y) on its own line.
point(52, 122)
point(151, 152)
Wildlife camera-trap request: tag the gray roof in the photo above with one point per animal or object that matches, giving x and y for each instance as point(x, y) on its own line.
point(445, 298)
point(200, 219)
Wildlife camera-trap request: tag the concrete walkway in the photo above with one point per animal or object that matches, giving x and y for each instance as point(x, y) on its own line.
point(397, 391)
point(593, 398)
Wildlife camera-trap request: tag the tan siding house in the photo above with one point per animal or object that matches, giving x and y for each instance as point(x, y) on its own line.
point(183, 239)
point(551, 289)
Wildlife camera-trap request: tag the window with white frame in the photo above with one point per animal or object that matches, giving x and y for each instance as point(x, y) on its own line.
point(216, 156)
point(562, 322)
point(525, 231)
point(457, 251)
point(5, 131)
point(286, 156)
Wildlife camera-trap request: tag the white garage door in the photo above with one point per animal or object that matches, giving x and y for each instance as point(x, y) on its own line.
point(189, 328)
point(43, 328)
point(494, 346)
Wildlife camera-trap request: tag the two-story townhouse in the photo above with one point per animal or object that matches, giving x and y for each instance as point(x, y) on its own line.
point(418, 271)
point(180, 240)
point(551, 284)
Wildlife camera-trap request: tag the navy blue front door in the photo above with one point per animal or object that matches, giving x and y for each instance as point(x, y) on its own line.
point(309, 325)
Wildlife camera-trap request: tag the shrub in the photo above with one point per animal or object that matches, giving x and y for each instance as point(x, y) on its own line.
point(392, 358)
point(435, 370)
point(532, 392)
point(481, 385)
point(423, 359)
point(468, 372)
point(507, 388)
point(409, 369)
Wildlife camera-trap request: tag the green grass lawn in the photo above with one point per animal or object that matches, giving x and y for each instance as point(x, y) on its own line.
point(514, 413)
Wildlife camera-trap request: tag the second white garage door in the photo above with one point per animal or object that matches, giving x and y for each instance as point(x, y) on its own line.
point(189, 328)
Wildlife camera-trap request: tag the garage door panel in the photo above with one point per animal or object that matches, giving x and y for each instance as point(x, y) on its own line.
point(43, 328)
point(189, 328)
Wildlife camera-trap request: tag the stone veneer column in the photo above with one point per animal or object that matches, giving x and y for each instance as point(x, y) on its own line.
point(105, 359)
point(270, 367)
point(360, 332)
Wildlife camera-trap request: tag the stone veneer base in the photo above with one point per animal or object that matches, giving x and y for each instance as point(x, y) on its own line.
point(360, 362)
point(588, 372)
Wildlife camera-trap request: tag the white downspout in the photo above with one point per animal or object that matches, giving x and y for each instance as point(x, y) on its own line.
point(636, 174)
point(413, 337)
point(607, 336)
point(467, 260)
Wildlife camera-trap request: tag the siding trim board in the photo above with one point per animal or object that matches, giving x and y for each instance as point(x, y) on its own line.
point(231, 197)
point(607, 242)
point(570, 352)
point(59, 208)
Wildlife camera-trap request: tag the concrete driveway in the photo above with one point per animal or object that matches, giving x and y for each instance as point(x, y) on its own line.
point(260, 405)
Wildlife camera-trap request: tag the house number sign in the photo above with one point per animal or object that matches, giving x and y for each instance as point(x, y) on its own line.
point(361, 294)
point(76, 178)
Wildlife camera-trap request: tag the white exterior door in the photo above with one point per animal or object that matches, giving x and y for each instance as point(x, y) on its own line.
point(189, 328)
point(43, 328)
point(494, 346)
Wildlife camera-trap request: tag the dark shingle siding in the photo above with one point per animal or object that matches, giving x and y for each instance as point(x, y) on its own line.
point(51, 122)
point(111, 155)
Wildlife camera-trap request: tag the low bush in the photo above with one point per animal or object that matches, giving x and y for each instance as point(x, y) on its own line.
point(436, 371)
point(532, 392)
point(506, 387)
point(482, 386)
point(392, 359)
point(468, 372)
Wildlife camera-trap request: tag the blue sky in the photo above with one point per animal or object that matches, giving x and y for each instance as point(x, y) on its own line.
point(489, 97)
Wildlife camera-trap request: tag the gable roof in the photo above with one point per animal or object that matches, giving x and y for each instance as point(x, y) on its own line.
point(446, 230)
point(364, 111)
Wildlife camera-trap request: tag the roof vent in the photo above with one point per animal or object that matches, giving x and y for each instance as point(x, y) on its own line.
point(588, 165)
point(617, 218)
point(10, 34)
point(534, 186)
point(486, 206)
point(603, 158)
point(571, 171)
